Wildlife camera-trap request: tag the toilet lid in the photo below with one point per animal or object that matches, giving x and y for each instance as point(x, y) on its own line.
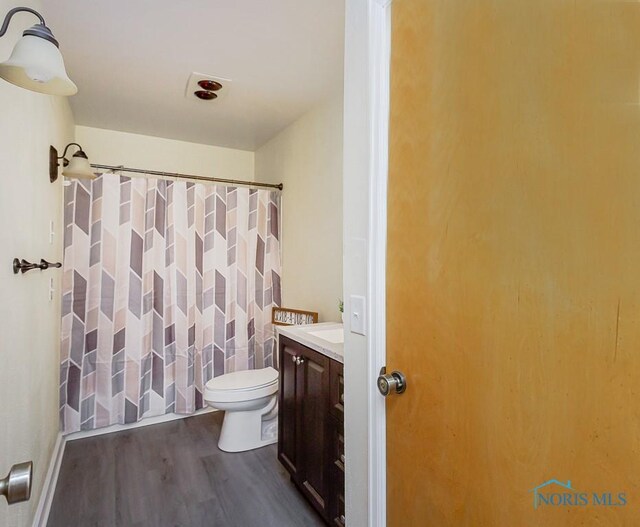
point(244, 380)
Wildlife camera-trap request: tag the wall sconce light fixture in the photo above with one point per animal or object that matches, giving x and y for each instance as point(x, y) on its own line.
point(78, 167)
point(36, 62)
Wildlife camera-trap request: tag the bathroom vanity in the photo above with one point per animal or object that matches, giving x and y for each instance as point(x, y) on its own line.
point(311, 414)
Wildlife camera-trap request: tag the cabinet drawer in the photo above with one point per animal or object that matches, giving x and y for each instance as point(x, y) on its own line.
point(339, 520)
point(336, 381)
point(337, 508)
point(336, 456)
point(338, 448)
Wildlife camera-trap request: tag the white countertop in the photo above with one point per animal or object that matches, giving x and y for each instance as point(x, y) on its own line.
point(301, 334)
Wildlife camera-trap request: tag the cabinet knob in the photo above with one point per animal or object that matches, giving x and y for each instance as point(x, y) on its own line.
point(299, 360)
point(294, 359)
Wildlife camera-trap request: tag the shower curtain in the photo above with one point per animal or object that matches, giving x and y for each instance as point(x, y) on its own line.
point(166, 285)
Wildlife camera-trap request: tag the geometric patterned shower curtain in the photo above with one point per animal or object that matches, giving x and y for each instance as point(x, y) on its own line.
point(166, 285)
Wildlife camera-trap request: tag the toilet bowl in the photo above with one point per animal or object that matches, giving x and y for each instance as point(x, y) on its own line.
point(249, 400)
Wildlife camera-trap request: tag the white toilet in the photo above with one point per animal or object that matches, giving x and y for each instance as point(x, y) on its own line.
point(250, 402)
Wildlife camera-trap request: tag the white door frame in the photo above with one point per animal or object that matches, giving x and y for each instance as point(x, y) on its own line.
point(380, 35)
point(366, 110)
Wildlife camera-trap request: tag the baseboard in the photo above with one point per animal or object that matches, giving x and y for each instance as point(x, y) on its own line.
point(49, 487)
point(147, 421)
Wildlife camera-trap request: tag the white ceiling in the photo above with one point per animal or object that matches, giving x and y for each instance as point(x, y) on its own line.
point(131, 61)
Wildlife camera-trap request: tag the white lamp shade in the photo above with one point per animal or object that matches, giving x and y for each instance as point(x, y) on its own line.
point(37, 65)
point(79, 167)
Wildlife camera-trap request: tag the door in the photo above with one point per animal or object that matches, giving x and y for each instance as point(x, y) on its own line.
point(513, 285)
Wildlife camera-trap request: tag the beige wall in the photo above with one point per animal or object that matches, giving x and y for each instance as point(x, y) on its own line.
point(29, 123)
point(307, 158)
point(109, 147)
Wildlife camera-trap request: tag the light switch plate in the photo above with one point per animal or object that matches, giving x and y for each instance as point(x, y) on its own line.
point(357, 314)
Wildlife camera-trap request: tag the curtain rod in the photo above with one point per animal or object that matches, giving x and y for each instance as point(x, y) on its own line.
point(121, 168)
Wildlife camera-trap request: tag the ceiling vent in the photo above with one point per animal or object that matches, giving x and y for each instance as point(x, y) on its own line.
point(201, 87)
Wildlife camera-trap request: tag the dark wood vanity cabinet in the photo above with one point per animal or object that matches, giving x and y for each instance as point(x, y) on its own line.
point(336, 443)
point(310, 433)
point(287, 415)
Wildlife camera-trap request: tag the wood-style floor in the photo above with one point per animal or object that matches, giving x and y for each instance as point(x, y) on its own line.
point(173, 474)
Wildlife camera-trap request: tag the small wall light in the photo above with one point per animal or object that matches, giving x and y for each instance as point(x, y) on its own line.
point(36, 62)
point(78, 167)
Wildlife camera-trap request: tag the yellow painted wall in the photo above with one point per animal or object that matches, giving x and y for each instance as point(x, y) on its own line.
point(307, 158)
point(111, 147)
point(29, 322)
point(514, 260)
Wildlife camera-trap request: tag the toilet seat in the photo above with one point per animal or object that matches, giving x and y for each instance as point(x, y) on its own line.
point(242, 385)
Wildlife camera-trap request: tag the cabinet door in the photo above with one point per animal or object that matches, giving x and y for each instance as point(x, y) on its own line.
point(287, 412)
point(313, 402)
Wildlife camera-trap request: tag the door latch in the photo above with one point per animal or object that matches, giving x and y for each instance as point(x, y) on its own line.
point(394, 382)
